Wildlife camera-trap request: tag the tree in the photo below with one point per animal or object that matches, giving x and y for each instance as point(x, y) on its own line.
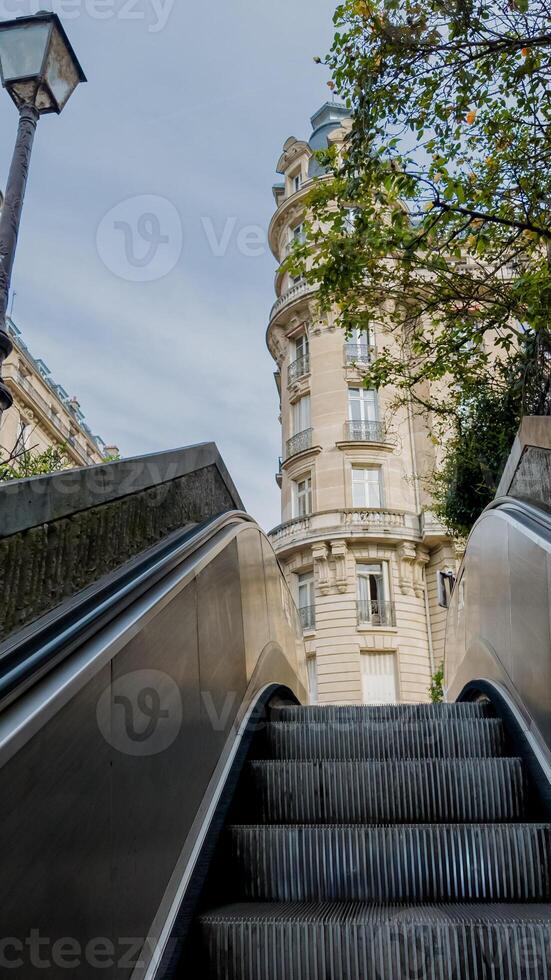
point(447, 170)
point(22, 464)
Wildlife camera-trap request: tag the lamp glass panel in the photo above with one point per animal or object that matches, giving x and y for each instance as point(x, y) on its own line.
point(22, 50)
point(61, 73)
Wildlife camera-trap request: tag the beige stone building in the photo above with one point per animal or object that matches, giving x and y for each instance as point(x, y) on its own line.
point(368, 564)
point(43, 414)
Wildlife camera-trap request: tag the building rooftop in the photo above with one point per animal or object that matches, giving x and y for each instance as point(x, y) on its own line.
point(70, 405)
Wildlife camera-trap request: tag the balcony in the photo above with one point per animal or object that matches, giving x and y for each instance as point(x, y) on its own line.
point(361, 431)
point(308, 617)
point(295, 292)
point(298, 369)
point(359, 354)
point(370, 518)
point(299, 443)
point(356, 523)
point(373, 612)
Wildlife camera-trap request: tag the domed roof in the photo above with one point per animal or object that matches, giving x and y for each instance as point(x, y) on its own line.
point(324, 122)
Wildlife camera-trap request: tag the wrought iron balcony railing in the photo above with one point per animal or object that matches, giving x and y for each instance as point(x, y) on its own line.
point(299, 443)
point(373, 612)
point(308, 617)
point(359, 353)
point(298, 369)
point(364, 432)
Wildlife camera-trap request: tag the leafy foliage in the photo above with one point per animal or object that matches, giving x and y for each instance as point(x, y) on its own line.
point(436, 689)
point(479, 445)
point(447, 173)
point(27, 464)
point(448, 169)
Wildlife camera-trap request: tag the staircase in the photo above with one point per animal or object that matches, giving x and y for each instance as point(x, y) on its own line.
point(381, 844)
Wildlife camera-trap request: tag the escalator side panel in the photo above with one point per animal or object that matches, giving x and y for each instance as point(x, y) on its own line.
point(499, 625)
point(103, 801)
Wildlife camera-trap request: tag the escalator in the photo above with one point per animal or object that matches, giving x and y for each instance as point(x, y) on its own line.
point(172, 809)
point(124, 714)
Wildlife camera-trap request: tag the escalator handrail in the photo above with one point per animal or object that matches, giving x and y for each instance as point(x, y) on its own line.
point(525, 510)
point(26, 658)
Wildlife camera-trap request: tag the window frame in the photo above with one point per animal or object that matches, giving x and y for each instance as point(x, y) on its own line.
point(363, 401)
point(307, 495)
point(378, 470)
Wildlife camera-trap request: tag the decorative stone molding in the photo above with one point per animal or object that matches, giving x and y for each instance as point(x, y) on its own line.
point(423, 559)
point(320, 554)
point(299, 389)
point(407, 557)
point(339, 551)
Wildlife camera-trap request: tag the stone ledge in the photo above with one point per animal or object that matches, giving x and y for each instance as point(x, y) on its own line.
point(41, 499)
point(66, 541)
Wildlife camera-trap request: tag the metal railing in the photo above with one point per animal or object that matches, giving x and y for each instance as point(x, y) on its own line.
point(364, 431)
point(299, 443)
point(373, 612)
point(298, 368)
point(359, 353)
point(308, 617)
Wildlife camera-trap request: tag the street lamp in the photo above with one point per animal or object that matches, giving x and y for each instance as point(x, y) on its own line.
point(40, 70)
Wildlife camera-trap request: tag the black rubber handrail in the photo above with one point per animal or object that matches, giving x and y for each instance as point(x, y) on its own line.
point(26, 657)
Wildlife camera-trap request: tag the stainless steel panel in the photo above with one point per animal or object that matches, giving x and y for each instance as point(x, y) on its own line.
point(55, 840)
point(103, 802)
point(499, 625)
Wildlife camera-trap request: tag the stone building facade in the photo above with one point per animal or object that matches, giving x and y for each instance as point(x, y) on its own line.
point(43, 414)
point(368, 563)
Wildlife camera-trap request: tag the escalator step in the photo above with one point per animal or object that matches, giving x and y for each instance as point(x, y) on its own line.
point(381, 712)
point(365, 942)
point(437, 791)
point(425, 863)
point(390, 740)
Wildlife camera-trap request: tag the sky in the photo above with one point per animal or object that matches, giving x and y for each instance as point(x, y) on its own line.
point(143, 277)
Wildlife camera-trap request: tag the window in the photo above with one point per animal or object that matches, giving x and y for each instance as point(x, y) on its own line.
point(374, 609)
point(302, 347)
point(23, 436)
point(301, 415)
point(446, 583)
point(312, 680)
point(366, 487)
point(296, 182)
point(379, 678)
point(303, 497)
point(307, 601)
point(298, 234)
point(362, 405)
point(350, 220)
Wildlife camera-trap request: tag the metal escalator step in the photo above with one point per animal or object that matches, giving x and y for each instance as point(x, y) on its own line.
point(381, 712)
point(436, 791)
point(374, 942)
point(424, 863)
point(382, 740)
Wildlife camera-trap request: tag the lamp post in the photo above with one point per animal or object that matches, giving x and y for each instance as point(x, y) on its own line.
point(40, 71)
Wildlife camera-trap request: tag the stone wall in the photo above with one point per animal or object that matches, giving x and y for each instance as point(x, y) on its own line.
point(61, 533)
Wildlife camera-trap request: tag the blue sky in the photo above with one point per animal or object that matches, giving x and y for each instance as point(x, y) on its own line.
point(175, 136)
